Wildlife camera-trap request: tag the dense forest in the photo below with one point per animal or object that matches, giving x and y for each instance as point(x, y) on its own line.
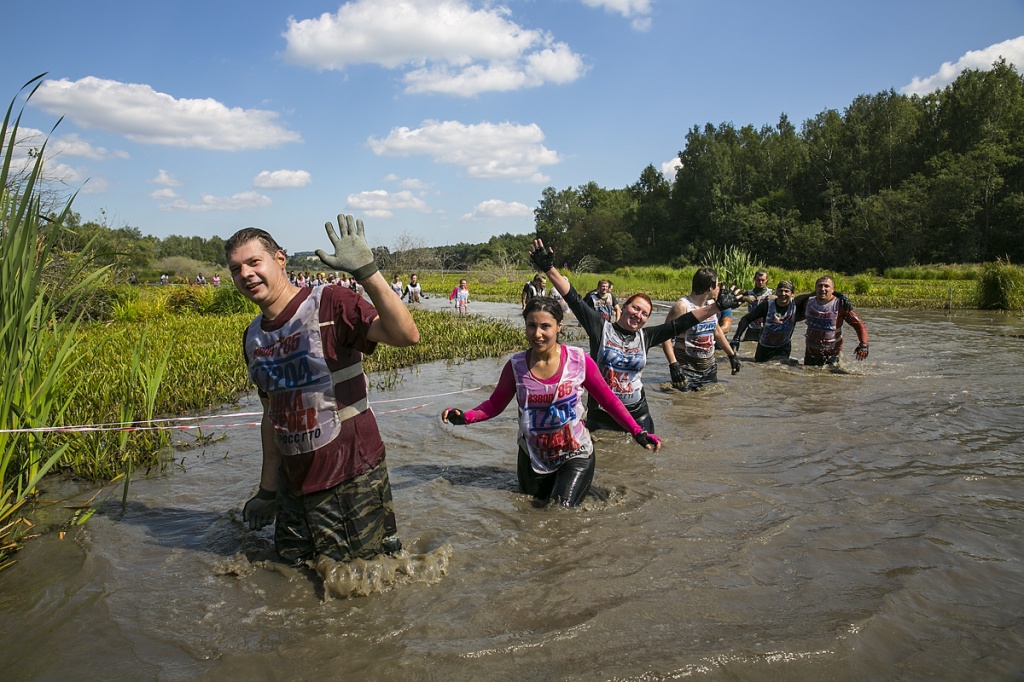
point(892, 180)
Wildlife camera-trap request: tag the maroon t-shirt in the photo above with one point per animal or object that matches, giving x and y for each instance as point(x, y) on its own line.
point(359, 446)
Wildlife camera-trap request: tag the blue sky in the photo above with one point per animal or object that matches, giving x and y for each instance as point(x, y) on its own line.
point(438, 121)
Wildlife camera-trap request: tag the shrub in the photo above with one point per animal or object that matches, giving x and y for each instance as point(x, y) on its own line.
point(227, 300)
point(189, 299)
point(1001, 286)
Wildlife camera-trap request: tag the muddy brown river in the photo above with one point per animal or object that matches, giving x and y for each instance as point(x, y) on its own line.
point(799, 524)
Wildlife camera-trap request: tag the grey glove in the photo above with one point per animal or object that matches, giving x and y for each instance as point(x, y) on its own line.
point(261, 510)
point(351, 252)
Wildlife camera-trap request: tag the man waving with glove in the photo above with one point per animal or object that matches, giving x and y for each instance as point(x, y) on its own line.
point(324, 481)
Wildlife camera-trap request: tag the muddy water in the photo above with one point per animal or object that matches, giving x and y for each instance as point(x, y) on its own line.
point(798, 525)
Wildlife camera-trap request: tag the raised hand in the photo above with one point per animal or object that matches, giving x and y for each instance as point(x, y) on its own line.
point(542, 258)
point(731, 297)
point(351, 252)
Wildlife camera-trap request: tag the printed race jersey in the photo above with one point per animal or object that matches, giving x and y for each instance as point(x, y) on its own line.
point(289, 366)
point(778, 326)
point(551, 426)
point(621, 362)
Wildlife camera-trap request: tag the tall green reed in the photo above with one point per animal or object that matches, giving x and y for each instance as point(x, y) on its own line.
point(38, 343)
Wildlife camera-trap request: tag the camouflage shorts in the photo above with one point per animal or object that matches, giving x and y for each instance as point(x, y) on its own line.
point(349, 521)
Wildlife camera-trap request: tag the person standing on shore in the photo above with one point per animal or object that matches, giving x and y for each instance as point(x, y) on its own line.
point(324, 481)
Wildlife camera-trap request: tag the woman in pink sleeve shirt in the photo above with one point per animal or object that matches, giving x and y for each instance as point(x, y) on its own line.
point(556, 454)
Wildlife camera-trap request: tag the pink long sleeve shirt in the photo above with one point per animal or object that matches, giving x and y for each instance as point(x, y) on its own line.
point(505, 391)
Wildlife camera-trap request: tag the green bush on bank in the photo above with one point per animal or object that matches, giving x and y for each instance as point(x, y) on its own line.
point(1001, 287)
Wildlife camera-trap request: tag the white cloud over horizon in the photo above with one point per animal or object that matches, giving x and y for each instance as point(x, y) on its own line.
point(496, 208)
point(282, 179)
point(485, 150)
point(380, 203)
point(208, 202)
point(669, 168)
point(1011, 50)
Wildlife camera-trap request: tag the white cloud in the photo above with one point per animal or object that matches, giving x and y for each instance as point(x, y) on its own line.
point(166, 179)
point(485, 150)
point(143, 115)
point(496, 208)
point(164, 194)
point(380, 203)
point(451, 47)
point(669, 168)
point(238, 202)
point(407, 183)
point(282, 179)
point(73, 145)
point(638, 10)
point(1012, 50)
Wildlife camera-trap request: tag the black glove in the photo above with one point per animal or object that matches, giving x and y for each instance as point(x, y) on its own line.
point(261, 510)
point(734, 360)
point(543, 259)
point(862, 351)
point(678, 375)
point(844, 301)
point(454, 416)
point(647, 440)
point(729, 298)
point(735, 343)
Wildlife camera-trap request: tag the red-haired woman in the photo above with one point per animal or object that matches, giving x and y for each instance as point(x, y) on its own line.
point(620, 347)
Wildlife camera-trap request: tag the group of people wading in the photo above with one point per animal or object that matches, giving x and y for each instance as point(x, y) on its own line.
point(324, 481)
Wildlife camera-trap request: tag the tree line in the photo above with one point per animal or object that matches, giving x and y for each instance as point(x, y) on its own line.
point(893, 180)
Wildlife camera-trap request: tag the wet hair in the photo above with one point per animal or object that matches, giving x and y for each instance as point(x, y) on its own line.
point(822, 279)
point(760, 272)
point(248, 234)
point(704, 279)
point(641, 296)
point(544, 304)
point(605, 281)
